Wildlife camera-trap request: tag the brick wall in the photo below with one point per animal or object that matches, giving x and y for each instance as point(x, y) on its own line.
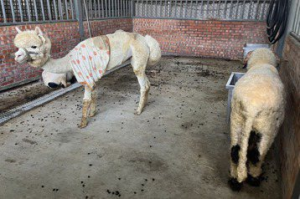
point(64, 36)
point(215, 39)
point(289, 137)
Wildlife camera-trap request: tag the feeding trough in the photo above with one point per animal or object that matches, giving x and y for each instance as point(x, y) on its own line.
point(251, 47)
point(234, 77)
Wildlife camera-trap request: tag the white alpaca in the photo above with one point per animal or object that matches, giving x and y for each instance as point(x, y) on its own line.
point(54, 80)
point(105, 52)
point(257, 113)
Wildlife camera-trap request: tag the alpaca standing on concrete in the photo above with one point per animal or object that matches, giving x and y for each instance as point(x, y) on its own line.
point(90, 59)
point(257, 113)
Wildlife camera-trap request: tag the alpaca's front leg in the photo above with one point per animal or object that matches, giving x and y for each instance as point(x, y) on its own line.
point(93, 103)
point(87, 100)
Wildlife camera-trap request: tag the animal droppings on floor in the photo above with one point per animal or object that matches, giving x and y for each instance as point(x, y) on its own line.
point(177, 148)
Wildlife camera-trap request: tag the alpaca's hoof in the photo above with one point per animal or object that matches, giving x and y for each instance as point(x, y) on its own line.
point(92, 114)
point(137, 112)
point(82, 124)
point(234, 184)
point(255, 182)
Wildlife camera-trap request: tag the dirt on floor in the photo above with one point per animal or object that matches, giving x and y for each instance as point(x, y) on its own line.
point(178, 148)
point(12, 98)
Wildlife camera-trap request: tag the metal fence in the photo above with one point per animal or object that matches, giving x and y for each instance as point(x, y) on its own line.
point(296, 23)
point(36, 11)
point(103, 9)
point(33, 11)
point(203, 9)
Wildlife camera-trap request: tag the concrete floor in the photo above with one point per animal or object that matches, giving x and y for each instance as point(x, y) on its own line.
point(178, 148)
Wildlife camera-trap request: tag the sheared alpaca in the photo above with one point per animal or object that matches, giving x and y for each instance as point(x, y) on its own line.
point(90, 59)
point(257, 112)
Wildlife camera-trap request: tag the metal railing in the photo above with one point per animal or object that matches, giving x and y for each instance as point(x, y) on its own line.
point(103, 9)
point(296, 22)
point(254, 10)
point(36, 11)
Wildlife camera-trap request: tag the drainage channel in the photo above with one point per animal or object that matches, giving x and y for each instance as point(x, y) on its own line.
point(4, 117)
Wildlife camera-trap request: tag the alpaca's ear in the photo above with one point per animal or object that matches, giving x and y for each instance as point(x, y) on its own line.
point(18, 30)
point(38, 31)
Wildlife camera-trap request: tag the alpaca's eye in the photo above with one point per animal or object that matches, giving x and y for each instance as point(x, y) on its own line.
point(34, 47)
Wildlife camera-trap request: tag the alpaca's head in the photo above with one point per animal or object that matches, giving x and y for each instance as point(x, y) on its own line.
point(261, 56)
point(34, 47)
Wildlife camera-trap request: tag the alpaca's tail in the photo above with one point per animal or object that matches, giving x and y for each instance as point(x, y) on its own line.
point(155, 52)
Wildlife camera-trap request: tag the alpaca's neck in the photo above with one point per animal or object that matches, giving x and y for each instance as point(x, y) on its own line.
point(61, 65)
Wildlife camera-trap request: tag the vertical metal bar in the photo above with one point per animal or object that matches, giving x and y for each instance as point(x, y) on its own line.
point(186, 8)
point(43, 11)
point(213, 9)
point(237, 9)
point(67, 12)
point(60, 10)
point(218, 9)
point(12, 10)
point(161, 8)
point(207, 8)
point(79, 16)
point(35, 11)
point(250, 10)
point(202, 9)
point(28, 10)
point(113, 8)
point(49, 10)
point(109, 6)
point(263, 10)
point(118, 6)
point(166, 10)
point(121, 7)
point(181, 11)
point(3, 11)
point(196, 10)
point(191, 13)
point(296, 25)
point(243, 10)
point(106, 8)
point(151, 8)
point(72, 9)
point(175, 6)
point(20, 10)
point(55, 9)
point(256, 12)
point(102, 9)
point(98, 9)
point(225, 9)
point(231, 6)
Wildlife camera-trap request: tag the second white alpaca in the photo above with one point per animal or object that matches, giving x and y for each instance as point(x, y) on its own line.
point(257, 113)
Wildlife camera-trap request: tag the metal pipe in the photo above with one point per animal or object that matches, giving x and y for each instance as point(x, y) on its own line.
point(12, 10)
point(20, 10)
point(43, 11)
point(67, 12)
point(28, 10)
point(60, 10)
point(72, 9)
point(87, 18)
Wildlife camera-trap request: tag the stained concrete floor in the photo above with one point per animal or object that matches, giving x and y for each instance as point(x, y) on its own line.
point(178, 148)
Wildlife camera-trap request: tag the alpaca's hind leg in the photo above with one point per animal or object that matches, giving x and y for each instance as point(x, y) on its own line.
point(144, 91)
point(235, 131)
point(257, 156)
point(85, 107)
point(93, 103)
point(140, 55)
